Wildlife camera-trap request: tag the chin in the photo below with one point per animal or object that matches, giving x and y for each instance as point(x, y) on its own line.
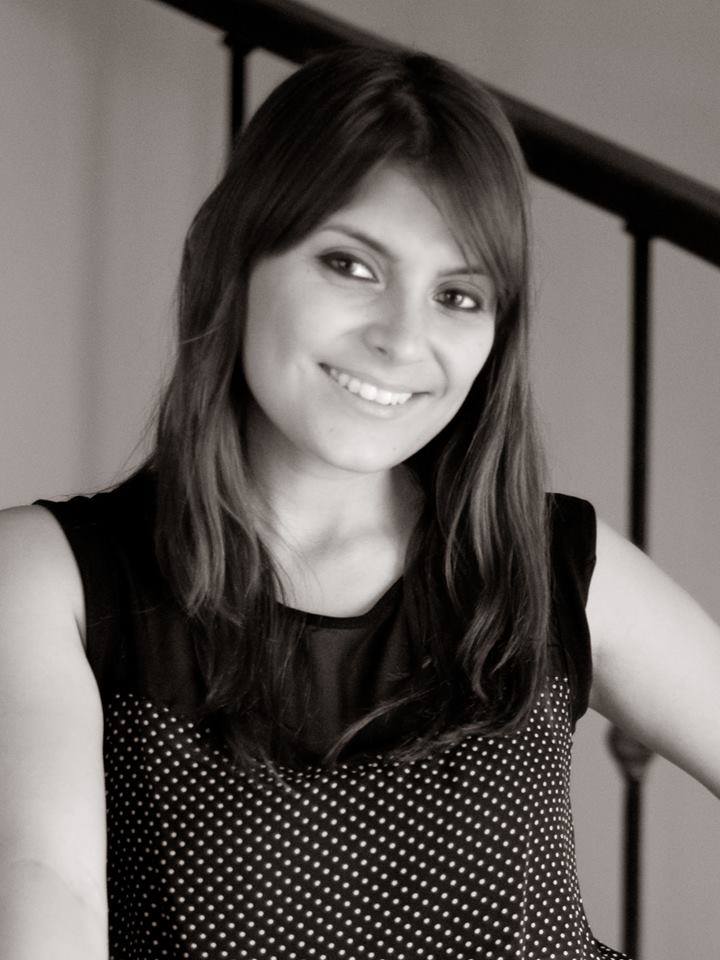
point(373, 460)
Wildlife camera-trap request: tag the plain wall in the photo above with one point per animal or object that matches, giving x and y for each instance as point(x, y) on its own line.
point(112, 120)
point(112, 130)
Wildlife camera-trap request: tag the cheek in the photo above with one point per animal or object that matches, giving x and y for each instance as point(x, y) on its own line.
point(268, 335)
point(470, 358)
point(285, 317)
point(254, 350)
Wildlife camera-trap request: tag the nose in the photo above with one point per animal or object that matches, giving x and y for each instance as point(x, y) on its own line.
point(397, 329)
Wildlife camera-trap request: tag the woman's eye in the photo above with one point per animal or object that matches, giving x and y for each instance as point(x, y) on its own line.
point(461, 300)
point(348, 266)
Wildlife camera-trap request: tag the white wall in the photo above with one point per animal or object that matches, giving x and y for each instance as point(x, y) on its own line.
point(112, 120)
point(112, 129)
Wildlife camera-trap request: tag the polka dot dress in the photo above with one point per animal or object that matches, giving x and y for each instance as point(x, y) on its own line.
point(466, 854)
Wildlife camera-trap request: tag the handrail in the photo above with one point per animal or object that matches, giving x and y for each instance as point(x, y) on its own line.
point(666, 204)
point(289, 29)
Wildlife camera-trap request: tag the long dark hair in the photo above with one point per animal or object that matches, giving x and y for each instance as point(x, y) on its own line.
point(476, 588)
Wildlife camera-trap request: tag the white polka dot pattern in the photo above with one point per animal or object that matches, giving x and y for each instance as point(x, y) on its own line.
point(467, 854)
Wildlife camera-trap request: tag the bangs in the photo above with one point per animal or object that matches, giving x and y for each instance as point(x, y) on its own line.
point(488, 225)
point(312, 143)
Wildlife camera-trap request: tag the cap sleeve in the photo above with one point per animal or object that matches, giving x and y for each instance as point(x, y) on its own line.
point(136, 638)
point(573, 532)
point(82, 523)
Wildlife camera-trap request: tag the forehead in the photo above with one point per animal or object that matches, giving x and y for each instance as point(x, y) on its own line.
point(396, 206)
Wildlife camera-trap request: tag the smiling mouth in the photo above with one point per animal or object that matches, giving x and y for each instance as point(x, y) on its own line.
point(368, 391)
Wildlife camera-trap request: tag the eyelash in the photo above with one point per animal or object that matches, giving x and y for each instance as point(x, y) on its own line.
point(478, 303)
point(332, 261)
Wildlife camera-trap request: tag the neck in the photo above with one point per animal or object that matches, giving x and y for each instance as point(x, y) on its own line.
point(337, 537)
point(310, 504)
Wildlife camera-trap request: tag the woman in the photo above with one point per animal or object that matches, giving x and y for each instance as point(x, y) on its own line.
point(334, 628)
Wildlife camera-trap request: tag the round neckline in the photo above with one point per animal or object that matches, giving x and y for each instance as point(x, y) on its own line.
point(346, 623)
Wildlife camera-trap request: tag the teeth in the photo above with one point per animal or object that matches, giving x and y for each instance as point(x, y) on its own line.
point(368, 391)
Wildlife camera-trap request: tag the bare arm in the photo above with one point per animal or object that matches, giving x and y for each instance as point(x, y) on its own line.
point(52, 808)
point(656, 659)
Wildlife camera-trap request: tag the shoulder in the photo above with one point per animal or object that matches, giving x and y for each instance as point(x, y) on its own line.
point(120, 508)
point(657, 658)
point(43, 667)
point(51, 787)
point(108, 532)
point(37, 564)
point(52, 552)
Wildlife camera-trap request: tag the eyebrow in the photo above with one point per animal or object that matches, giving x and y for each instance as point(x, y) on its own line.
point(378, 247)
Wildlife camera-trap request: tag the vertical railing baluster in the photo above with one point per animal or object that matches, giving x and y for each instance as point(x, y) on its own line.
point(631, 756)
point(639, 441)
point(239, 50)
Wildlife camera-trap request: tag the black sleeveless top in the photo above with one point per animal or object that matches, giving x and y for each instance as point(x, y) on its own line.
point(469, 853)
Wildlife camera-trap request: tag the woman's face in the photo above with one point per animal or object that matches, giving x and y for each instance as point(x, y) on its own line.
point(363, 340)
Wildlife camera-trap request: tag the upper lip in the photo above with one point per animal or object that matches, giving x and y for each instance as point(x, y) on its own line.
point(374, 381)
